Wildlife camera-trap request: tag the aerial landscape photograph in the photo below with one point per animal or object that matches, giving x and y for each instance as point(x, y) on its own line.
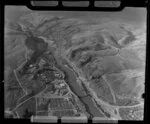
point(74, 63)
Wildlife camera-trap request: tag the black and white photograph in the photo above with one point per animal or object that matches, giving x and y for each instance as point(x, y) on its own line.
point(72, 64)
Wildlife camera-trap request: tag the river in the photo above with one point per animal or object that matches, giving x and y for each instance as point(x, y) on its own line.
point(75, 87)
point(38, 46)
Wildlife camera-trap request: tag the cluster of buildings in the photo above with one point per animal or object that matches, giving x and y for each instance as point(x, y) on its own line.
point(55, 103)
point(54, 100)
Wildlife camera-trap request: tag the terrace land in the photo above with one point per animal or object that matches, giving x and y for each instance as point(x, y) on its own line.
point(72, 67)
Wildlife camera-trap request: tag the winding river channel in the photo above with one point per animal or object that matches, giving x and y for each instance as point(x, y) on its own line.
point(38, 45)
